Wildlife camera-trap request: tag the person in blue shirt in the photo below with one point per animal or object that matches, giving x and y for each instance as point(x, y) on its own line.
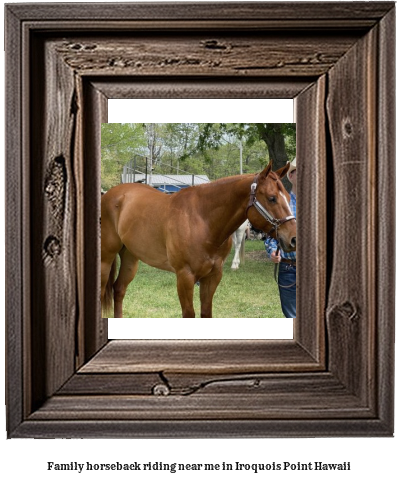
point(286, 260)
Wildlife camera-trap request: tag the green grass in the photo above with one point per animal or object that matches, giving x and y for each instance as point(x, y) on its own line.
point(249, 292)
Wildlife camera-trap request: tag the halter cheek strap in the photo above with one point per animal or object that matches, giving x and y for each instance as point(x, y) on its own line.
point(275, 222)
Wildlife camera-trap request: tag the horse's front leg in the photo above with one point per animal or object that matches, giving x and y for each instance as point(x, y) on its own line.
point(185, 290)
point(208, 287)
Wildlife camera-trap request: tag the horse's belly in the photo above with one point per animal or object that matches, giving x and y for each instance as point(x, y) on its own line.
point(157, 262)
point(154, 258)
point(141, 227)
point(149, 253)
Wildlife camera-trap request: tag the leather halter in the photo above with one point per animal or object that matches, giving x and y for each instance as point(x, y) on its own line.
point(275, 222)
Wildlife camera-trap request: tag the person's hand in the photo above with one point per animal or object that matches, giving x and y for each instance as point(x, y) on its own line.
point(275, 258)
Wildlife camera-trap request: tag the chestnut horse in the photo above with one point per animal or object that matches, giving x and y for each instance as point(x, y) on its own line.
point(188, 233)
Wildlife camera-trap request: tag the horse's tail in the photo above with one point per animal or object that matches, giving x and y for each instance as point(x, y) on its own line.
point(106, 304)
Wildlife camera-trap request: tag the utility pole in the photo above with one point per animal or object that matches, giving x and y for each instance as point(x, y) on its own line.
point(240, 156)
point(151, 142)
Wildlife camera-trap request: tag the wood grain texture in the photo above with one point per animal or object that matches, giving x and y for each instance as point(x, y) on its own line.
point(312, 215)
point(246, 55)
point(385, 224)
point(15, 207)
point(200, 356)
point(185, 384)
point(175, 87)
point(351, 109)
point(65, 62)
point(203, 407)
point(112, 384)
point(310, 99)
point(94, 330)
point(359, 13)
point(53, 244)
point(191, 428)
point(255, 397)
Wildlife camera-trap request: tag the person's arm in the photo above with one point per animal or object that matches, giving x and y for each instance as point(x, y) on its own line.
point(271, 248)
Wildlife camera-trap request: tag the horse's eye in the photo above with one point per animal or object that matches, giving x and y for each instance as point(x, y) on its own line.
point(272, 199)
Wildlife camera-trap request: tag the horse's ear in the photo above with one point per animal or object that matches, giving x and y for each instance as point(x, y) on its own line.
point(283, 171)
point(266, 171)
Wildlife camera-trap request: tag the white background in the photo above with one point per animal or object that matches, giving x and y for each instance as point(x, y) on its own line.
point(373, 460)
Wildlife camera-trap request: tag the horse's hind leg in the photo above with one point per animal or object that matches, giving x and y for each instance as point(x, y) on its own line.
point(108, 268)
point(208, 287)
point(236, 260)
point(239, 247)
point(127, 271)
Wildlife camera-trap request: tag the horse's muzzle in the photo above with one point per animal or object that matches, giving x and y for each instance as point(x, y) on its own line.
point(288, 248)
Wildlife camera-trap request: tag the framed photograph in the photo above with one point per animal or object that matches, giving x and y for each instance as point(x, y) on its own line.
point(173, 154)
point(65, 378)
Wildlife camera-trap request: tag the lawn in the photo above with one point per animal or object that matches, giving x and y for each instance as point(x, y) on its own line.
point(249, 292)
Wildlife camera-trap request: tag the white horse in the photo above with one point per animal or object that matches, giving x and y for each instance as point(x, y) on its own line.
point(239, 245)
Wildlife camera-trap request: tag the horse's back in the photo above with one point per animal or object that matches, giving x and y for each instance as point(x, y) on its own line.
point(131, 197)
point(130, 191)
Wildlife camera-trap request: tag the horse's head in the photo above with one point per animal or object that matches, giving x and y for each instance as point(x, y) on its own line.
point(269, 209)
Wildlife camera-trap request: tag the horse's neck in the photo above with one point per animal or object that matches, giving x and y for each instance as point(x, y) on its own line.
point(226, 205)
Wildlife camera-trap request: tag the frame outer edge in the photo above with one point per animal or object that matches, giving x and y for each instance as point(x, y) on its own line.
point(17, 266)
point(14, 209)
point(386, 175)
point(303, 11)
point(201, 429)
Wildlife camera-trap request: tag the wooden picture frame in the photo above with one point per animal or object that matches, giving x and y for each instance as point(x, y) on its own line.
point(64, 378)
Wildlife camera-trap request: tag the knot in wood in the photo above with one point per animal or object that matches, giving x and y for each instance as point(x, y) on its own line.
point(213, 44)
point(52, 246)
point(161, 390)
point(90, 47)
point(347, 128)
point(50, 188)
point(349, 310)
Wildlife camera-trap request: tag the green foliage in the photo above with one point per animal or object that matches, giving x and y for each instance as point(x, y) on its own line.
point(280, 138)
point(119, 143)
point(194, 148)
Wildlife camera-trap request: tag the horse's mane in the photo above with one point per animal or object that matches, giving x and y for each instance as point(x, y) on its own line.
point(229, 179)
point(216, 182)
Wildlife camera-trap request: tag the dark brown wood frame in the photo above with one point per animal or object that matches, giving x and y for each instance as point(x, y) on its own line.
point(64, 379)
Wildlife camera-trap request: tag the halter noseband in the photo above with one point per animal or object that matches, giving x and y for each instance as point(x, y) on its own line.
point(275, 222)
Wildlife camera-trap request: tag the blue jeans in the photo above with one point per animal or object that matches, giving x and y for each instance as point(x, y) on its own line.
point(287, 277)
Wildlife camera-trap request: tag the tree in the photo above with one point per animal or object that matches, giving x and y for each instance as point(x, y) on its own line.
point(119, 144)
point(194, 148)
point(154, 136)
point(274, 135)
point(179, 139)
point(278, 137)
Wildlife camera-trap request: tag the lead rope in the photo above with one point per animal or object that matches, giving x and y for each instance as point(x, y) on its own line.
point(277, 265)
